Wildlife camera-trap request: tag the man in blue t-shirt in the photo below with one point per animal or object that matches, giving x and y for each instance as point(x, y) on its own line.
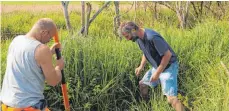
point(162, 58)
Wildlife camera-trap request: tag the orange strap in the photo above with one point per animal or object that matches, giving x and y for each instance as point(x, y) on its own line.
point(6, 108)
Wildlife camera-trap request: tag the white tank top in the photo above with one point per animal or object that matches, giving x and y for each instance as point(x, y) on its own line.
point(23, 83)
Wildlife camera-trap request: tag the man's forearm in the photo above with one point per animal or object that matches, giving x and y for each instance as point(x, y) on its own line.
point(143, 62)
point(164, 62)
point(58, 74)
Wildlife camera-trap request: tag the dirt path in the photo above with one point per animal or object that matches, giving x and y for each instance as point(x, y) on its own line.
point(50, 8)
point(39, 8)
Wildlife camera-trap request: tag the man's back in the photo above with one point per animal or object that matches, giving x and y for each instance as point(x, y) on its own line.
point(23, 83)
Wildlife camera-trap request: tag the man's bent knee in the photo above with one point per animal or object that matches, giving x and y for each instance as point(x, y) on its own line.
point(173, 100)
point(143, 90)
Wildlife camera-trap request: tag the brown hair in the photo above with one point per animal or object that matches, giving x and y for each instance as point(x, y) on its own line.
point(128, 27)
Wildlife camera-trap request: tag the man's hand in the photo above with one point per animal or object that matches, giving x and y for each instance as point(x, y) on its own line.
point(154, 78)
point(60, 63)
point(161, 67)
point(53, 47)
point(138, 70)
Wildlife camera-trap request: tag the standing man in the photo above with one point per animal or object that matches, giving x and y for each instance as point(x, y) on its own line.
point(29, 65)
point(161, 56)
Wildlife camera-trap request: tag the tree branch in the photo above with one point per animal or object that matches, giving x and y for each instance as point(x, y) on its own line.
point(95, 15)
point(167, 5)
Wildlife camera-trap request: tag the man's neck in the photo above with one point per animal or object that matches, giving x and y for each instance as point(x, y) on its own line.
point(32, 36)
point(141, 33)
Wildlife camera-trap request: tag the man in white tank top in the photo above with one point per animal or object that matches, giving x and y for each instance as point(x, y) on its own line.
point(29, 65)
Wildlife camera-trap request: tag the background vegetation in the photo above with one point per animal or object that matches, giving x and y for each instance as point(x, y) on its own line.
point(100, 67)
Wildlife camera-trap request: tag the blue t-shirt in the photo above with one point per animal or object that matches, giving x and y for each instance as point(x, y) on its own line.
point(154, 47)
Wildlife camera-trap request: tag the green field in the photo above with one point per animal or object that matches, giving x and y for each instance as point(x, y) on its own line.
point(100, 68)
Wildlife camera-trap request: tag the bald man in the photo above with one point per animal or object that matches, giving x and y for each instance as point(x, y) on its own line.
point(29, 65)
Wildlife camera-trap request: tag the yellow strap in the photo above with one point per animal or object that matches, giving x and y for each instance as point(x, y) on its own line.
point(5, 108)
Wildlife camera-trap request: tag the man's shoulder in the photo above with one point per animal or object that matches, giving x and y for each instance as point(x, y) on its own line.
point(41, 53)
point(42, 50)
point(148, 30)
point(17, 38)
point(151, 34)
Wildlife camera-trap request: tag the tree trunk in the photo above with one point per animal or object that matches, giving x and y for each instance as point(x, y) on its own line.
point(66, 16)
point(181, 10)
point(155, 10)
point(87, 18)
point(221, 7)
point(117, 19)
point(182, 13)
point(208, 6)
point(83, 14)
point(201, 8)
point(135, 9)
point(179, 14)
point(185, 14)
point(145, 3)
point(95, 15)
point(195, 9)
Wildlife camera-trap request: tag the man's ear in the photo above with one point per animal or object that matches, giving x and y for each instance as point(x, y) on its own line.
point(133, 32)
point(45, 32)
point(41, 33)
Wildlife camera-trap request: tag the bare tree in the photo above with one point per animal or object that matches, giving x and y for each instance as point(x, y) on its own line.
point(117, 19)
point(220, 5)
point(82, 13)
point(182, 13)
point(145, 5)
point(198, 8)
point(87, 18)
point(181, 8)
point(66, 16)
point(216, 8)
point(95, 15)
point(153, 8)
point(135, 9)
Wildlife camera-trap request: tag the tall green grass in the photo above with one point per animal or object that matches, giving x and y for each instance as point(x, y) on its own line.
point(100, 68)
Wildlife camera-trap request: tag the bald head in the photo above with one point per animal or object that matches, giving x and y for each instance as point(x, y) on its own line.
point(43, 30)
point(44, 24)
